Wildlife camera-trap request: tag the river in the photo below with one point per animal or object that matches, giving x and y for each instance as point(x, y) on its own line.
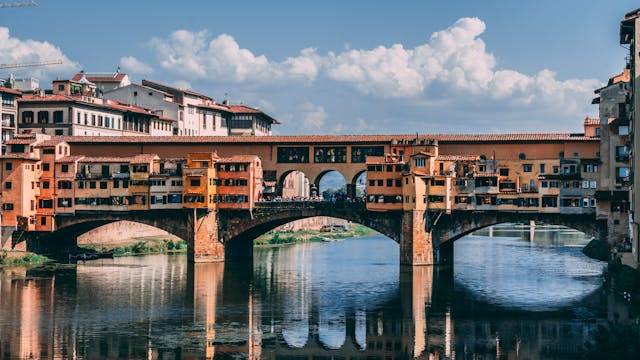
point(507, 296)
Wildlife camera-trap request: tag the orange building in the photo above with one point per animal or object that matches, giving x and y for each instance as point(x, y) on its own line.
point(239, 180)
point(199, 189)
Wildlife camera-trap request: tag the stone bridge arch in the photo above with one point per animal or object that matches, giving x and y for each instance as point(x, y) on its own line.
point(448, 228)
point(238, 229)
point(69, 228)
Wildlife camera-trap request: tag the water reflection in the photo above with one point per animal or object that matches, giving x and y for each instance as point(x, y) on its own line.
point(348, 299)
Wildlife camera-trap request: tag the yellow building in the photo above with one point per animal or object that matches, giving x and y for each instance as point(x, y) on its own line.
point(199, 188)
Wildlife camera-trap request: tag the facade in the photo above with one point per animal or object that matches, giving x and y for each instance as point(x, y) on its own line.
point(192, 113)
point(414, 176)
point(613, 187)
point(73, 109)
point(104, 81)
point(8, 113)
point(629, 33)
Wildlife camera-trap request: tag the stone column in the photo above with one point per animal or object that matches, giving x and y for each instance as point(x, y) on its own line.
point(416, 245)
point(203, 244)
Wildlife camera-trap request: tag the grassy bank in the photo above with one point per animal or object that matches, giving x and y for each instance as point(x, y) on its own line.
point(21, 258)
point(296, 237)
point(138, 246)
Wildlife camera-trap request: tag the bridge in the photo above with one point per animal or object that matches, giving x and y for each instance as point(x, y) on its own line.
point(425, 237)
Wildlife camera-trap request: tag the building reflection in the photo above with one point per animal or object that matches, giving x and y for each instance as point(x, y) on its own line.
point(161, 308)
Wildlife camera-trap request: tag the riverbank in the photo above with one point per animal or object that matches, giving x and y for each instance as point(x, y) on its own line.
point(146, 245)
point(10, 258)
point(274, 238)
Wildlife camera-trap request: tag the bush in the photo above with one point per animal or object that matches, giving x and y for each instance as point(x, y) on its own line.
point(118, 250)
point(3, 257)
point(141, 247)
point(181, 245)
point(171, 245)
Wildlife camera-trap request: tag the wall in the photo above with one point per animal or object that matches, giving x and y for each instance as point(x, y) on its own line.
point(120, 231)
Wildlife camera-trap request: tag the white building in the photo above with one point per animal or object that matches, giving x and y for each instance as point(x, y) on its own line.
point(8, 112)
point(194, 114)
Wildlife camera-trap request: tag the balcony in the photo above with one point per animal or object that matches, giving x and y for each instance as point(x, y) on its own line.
point(530, 190)
point(195, 172)
point(119, 175)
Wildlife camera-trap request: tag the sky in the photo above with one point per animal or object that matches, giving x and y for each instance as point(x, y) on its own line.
point(344, 67)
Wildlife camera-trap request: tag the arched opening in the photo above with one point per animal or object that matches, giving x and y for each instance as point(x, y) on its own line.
point(533, 266)
point(360, 185)
point(126, 234)
point(332, 186)
point(293, 185)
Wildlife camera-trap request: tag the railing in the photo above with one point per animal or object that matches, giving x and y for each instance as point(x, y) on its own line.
point(622, 158)
point(8, 123)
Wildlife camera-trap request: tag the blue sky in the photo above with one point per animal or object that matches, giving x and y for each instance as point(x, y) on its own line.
point(345, 67)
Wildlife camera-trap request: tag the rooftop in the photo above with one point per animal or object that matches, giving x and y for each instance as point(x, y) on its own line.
point(331, 139)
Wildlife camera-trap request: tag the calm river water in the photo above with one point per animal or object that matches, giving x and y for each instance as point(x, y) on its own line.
point(506, 297)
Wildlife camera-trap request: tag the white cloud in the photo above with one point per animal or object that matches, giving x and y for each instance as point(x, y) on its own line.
point(17, 51)
point(312, 117)
point(133, 65)
point(453, 64)
point(181, 84)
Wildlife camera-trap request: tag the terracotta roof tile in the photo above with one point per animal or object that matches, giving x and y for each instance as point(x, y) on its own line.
point(330, 139)
point(239, 159)
point(458, 157)
point(9, 90)
point(17, 141)
point(144, 158)
point(47, 143)
point(592, 121)
point(116, 77)
point(69, 159)
point(105, 159)
point(26, 156)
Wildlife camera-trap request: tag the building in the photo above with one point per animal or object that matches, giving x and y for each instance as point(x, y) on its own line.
point(239, 180)
point(629, 33)
point(104, 81)
point(8, 113)
point(612, 194)
point(415, 176)
point(194, 114)
point(73, 109)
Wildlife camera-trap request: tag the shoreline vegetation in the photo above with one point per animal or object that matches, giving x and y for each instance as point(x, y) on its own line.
point(137, 246)
point(14, 258)
point(279, 238)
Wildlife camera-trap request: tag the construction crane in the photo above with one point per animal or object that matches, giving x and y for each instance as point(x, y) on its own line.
point(14, 4)
point(21, 65)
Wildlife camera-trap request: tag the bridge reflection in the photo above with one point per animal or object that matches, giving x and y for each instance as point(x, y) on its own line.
point(169, 309)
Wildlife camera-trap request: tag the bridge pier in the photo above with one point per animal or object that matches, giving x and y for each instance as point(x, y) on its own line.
point(202, 238)
point(416, 243)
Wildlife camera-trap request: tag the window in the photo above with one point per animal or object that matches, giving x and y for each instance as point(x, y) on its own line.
point(359, 153)
point(372, 183)
point(45, 184)
point(7, 206)
point(380, 182)
point(541, 168)
point(64, 202)
point(45, 204)
point(43, 221)
point(46, 166)
point(27, 117)
point(194, 182)
point(7, 100)
point(592, 184)
point(293, 154)
point(420, 162)
point(504, 172)
point(527, 167)
point(92, 184)
point(57, 116)
point(103, 184)
point(8, 166)
point(64, 168)
point(43, 117)
point(7, 185)
point(59, 132)
point(330, 154)
point(623, 130)
point(389, 182)
point(64, 184)
point(622, 153)
point(622, 174)
point(576, 154)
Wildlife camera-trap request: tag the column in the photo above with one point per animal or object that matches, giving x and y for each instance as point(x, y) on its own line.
point(416, 245)
point(203, 244)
